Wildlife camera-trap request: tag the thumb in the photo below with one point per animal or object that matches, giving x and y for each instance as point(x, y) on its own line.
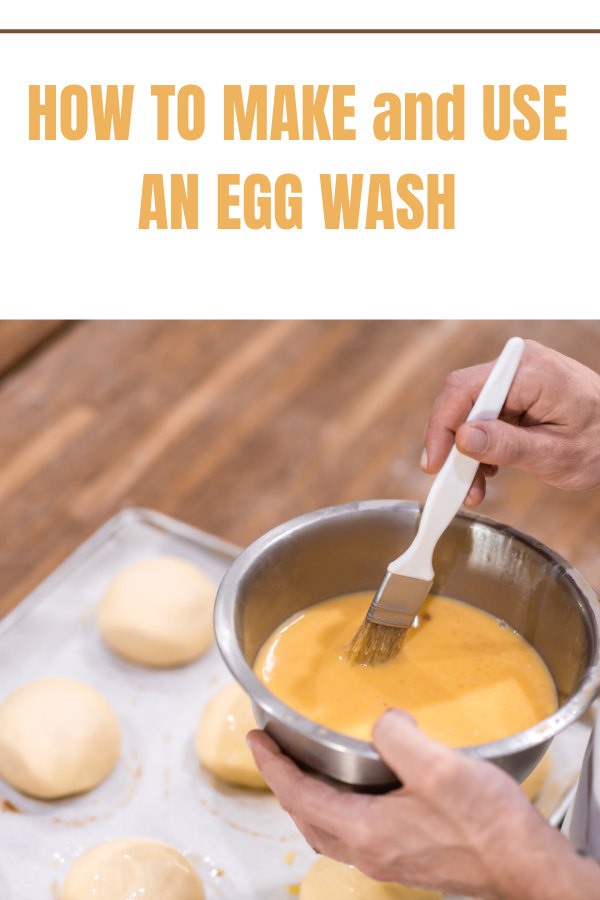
point(499, 444)
point(406, 750)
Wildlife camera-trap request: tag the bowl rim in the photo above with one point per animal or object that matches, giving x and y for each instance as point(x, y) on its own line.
point(235, 661)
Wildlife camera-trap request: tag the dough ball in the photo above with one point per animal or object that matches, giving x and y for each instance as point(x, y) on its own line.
point(221, 738)
point(534, 783)
point(328, 879)
point(57, 737)
point(158, 612)
point(132, 868)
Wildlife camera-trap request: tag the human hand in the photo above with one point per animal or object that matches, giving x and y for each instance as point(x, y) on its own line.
point(456, 825)
point(549, 425)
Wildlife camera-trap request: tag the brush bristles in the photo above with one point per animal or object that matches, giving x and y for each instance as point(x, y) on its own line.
point(375, 644)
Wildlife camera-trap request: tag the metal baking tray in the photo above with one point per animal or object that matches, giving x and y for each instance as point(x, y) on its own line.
point(242, 844)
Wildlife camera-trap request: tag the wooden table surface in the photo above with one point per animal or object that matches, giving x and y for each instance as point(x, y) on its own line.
point(237, 426)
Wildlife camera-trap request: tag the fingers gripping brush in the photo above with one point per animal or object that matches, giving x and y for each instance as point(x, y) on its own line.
point(409, 578)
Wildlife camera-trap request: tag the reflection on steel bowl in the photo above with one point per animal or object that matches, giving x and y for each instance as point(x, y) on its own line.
point(347, 548)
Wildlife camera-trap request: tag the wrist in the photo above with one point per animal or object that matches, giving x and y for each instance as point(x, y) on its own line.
point(547, 866)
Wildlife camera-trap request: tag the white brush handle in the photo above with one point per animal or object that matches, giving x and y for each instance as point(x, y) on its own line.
point(452, 483)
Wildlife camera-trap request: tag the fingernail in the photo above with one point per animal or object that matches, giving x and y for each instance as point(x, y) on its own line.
point(392, 709)
point(424, 459)
point(468, 500)
point(477, 440)
point(402, 713)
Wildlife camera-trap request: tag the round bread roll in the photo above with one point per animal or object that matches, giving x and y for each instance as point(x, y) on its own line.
point(328, 879)
point(158, 612)
point(57, 737)
point(221, 738)
point(132, 867)
point(534, 782)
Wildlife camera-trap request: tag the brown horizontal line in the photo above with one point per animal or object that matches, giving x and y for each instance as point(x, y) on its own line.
point(299, 30)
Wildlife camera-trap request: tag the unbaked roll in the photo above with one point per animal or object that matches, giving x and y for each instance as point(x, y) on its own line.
point(158, 612)
point(221, 738)
point(535, 781)
point(58, 737)
point(129, 868)
point(331, 880)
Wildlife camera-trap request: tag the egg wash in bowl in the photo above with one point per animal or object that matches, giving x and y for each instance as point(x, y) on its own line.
point(465, 676)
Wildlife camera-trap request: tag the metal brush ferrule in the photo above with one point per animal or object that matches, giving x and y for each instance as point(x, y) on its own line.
point(398, 600)
point(383, 616)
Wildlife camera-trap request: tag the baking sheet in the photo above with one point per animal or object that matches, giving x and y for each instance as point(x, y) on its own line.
point(242, 844)
point(238, 840)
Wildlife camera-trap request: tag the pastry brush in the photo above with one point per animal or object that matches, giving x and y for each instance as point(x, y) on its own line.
point(408, 579)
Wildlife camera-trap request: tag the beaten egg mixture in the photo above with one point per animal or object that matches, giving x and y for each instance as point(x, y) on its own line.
point(465, 676)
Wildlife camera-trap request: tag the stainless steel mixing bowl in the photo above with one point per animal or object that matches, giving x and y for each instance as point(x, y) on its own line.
point(347, 548)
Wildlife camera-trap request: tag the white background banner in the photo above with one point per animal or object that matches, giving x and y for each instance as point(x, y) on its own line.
point(525, 236)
